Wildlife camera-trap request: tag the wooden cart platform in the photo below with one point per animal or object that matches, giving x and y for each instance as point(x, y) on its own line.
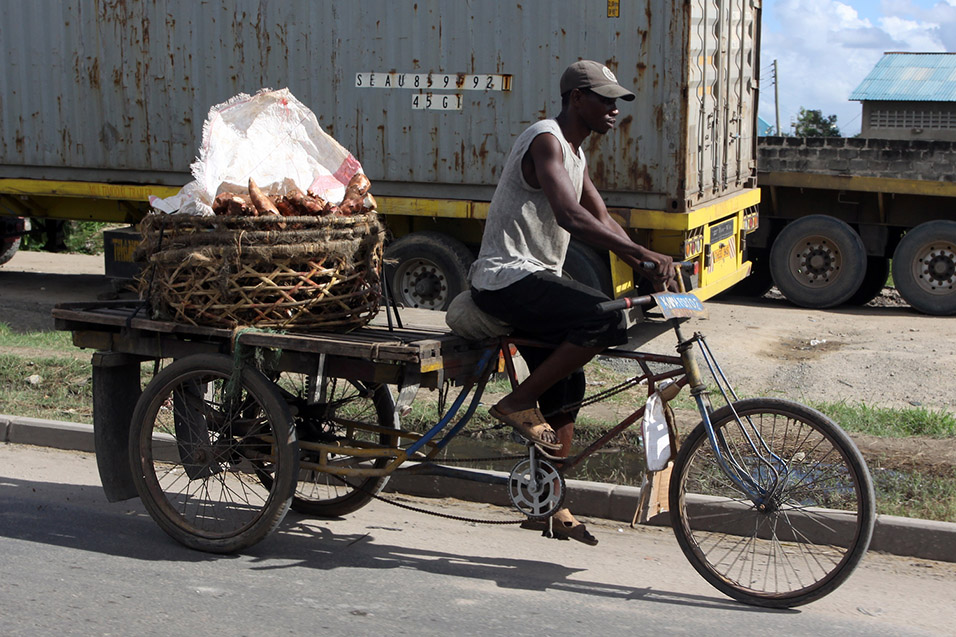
point(377, 352)
point(421, 354)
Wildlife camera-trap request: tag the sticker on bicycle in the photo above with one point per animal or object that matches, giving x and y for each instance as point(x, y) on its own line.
point(679, 305)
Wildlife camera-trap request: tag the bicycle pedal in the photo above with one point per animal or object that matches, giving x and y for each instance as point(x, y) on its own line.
point(519, 439)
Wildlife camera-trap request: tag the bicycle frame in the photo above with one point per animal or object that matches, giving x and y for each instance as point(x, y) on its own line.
point(685, 372)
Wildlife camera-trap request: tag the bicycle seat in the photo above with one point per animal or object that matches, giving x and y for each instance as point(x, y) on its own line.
point(471, 323)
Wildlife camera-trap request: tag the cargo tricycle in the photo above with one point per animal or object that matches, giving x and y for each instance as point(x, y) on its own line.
point(769, 500)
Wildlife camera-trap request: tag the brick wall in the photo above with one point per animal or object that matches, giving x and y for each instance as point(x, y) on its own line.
point(859, 156)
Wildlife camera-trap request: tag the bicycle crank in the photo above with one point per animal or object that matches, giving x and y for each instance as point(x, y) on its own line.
point(535, 487)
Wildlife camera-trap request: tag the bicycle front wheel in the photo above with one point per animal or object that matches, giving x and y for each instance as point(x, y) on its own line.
point(813, 525)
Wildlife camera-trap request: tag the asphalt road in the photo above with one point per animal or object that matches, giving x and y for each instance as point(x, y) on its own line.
point(75, 564)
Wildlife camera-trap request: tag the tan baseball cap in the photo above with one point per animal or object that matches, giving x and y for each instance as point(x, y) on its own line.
point(596, 77)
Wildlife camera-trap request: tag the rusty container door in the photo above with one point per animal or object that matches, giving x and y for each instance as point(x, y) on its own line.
point(722, 98)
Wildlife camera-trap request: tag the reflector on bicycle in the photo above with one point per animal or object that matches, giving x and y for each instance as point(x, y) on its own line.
point(675, 305)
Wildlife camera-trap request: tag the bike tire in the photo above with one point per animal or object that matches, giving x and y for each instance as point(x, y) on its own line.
point(198, 446)
point(810, 537)
point(325, 495)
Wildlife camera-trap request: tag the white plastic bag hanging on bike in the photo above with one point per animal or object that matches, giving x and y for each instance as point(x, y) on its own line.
point(657, 439)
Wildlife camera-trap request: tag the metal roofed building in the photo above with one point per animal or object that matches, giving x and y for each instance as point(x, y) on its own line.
point(910, 96)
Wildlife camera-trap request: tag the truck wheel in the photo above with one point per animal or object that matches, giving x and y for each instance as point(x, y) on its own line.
point(8, 249)
point(582, 264)
point(924, 267)
point(818, 261)
point(877, 272)
point(759, 282)
point(428, 269)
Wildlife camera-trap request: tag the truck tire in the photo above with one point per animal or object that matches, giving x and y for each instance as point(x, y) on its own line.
point(877, 272)
point(924, 267)
point(818, 261)
point(427, 269)
point(8, 248)
point(584, 265)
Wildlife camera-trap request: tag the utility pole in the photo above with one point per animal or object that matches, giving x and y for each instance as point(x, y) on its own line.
point(776, 95)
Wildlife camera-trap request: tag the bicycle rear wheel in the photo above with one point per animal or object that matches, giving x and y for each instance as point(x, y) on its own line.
point(345, 407)
point(811, 532)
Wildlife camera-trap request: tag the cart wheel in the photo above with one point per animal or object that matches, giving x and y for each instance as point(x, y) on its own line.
point(198, 446)
point(341, 404)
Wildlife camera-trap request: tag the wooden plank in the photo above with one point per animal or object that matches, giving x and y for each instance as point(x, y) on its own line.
point(424, 345)
point(328, 344)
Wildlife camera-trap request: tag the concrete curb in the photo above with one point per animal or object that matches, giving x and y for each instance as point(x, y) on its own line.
point(925, 539)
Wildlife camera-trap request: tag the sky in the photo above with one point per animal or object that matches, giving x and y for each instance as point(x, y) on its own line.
point(824, 49)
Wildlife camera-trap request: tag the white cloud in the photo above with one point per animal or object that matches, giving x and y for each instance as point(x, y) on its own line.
point(848, 16)
point(825, 48)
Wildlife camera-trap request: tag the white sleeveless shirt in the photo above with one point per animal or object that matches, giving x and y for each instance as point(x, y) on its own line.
point(521, 234)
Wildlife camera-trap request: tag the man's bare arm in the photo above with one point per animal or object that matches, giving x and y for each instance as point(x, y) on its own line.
point(588, 220)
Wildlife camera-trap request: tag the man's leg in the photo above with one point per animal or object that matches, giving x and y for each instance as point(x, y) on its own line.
point(563, 361)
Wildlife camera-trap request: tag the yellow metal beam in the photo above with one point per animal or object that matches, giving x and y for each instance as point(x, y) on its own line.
point(418, 207)
point(84, 189)
point(863, 184)
point(716, 287)
point(662, 220)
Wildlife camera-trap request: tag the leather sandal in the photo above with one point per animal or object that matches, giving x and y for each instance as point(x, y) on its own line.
point(530, 423)
point(564, 526)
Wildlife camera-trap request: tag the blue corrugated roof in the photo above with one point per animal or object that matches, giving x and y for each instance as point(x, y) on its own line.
point(922, 77)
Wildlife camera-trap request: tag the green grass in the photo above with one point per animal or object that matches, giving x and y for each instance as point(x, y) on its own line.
point(890, 422)
point(53, 341)
point(915, 494)
point(80, 237)
point(57, 388)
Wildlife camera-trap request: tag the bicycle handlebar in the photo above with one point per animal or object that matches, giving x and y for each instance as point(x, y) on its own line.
point(689, 267)
point(622, 304)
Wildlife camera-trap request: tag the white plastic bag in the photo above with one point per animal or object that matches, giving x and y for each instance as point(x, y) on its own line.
point(270, 137)
point(657, 443)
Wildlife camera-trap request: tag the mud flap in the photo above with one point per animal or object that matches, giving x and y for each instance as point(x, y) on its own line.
point(653, 499)
point(192, 432)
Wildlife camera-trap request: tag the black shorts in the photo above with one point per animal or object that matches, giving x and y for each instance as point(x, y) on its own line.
point(548, 308)
point(545, 307)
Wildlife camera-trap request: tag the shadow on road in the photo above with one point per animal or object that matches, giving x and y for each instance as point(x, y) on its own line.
point(78, 517)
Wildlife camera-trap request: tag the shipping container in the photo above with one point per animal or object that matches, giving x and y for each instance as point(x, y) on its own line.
point(428, 94)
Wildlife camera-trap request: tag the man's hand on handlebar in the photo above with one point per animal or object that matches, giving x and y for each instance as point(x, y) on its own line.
point(663, 275)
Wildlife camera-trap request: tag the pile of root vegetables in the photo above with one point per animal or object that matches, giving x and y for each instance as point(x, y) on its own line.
point(296, 203)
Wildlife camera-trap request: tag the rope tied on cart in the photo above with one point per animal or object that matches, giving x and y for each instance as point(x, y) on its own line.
point(263, 359)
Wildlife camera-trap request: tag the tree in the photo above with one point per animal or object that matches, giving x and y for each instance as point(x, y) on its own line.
point(811, 123)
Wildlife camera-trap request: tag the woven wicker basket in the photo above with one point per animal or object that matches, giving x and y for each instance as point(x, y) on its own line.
point(291, 273)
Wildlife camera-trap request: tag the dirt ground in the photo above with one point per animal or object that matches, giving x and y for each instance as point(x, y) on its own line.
point(883, 354)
